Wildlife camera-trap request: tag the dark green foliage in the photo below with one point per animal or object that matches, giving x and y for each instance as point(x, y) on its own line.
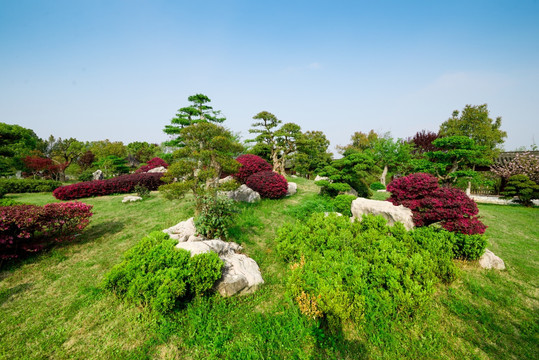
point(343, 204)
point(469, 247)
point(86, 175)
point(216, 216)
point(142, 191)
point(377, 186)
point(362, 272)
point(156, 274)
point(16, 142)
point(523, 187)
point(19, 186)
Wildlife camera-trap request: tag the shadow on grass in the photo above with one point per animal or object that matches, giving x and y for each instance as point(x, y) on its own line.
point(7, 293)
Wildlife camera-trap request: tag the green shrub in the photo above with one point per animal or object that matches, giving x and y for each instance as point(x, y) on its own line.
point(142, 191)
point(86, 175)
point(216, 216)
point(362, 271)
point(377, 186)
point(523, 187)
point(469, 247)
point(19, 186)
point(156, 274)
point(8, 202)
point(343, 204)
point(317, 204)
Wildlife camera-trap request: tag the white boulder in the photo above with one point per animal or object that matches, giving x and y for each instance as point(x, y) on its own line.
point(292, 189)
point(131, 198)
point(159, 169)
point(243, 193)
point(226, 179)
point(182, 231)
point(318, 178)
point(98, 175)
point(390, 212)
point(491, 261)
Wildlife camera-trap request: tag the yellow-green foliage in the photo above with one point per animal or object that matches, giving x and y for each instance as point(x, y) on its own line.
point(156, 274)
point(363, 270)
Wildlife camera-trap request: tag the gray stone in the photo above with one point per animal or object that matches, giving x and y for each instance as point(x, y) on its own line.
point(293, 176)
point(318, 178)
point(389, 211)
point(98, 175)
point(491, 261)
point(226, 179)
point(159, 169)
point(196, 238)
point(182, 231)
point(292, 189)
point(243, 193)
point(131, 198)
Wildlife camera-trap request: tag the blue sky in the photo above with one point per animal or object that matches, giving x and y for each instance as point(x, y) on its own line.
point(120, 69)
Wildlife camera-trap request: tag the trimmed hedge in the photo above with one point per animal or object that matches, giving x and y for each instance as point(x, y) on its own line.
point(18, 186)
point(250, 164)
point(268, 184)
point(30, 228)
point(118, 185)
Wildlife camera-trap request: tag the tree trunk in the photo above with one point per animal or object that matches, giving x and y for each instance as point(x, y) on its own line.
point(275, 160)
point(383, 176)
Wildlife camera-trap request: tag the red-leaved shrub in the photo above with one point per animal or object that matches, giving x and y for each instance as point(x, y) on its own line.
point(30, 228)
point(268, 184)
point(118, 185)
point(430, 204)
point(250, 164)
point(153, 163)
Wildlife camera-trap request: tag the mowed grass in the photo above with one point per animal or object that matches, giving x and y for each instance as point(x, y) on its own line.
point(52, 305)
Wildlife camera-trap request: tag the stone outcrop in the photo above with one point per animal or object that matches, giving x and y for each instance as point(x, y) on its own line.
point(159, 169)
point(182, 231)
point(97, 175)
point(243, 193)
point(292, 188)
point(389, 211)
point(131, 198)
point(491, 261)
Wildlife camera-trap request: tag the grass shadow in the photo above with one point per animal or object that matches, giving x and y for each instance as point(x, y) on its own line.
point(8, 293)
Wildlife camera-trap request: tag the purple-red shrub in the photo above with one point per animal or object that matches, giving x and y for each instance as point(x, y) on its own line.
point(153, 163)
point(118, 185)
point(430, 204)
point(250, 164)
point(30, 228)
point(268, 184)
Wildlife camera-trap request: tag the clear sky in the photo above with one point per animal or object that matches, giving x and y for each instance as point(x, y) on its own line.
point(120, 69)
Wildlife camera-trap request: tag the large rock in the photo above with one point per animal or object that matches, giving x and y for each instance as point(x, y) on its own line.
point(98, 175)
point(491, 261)
point(292, 188)
point(131, 198)
point(182, 231)
point(389, 211)
point(159, 169)
point(241, 274)
point(243, 193)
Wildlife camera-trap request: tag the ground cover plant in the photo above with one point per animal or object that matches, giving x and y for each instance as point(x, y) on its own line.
point(53, 305)
point(118, 185)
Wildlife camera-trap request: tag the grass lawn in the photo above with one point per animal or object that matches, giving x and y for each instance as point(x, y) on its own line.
point(52, 305)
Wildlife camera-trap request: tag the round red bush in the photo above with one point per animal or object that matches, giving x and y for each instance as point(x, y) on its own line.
point(152, 164)
point(250, 164)
point(268, 184)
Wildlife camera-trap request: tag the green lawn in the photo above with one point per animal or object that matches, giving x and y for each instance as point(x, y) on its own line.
point(52, 305)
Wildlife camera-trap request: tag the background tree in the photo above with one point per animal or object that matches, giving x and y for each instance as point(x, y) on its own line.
point(391, 155)
point(112, 165)
point(141, 151)
point(286, 140)
point(86, 160)
point(16, 142)
point(422, 141)
point(65, 152)
point(197, 111)
point(475, 123)
point(265, 128)
point(103, 148)
point(359, 141)
point(208, 151)
point(311, 153)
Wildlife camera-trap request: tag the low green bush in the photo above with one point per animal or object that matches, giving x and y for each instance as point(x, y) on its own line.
point(156, 274)
point(343, 204)
point(19, 186)
point(362, 272)
point(216, 216)
point(522, 187)
point(377, 186)
point(142, 191)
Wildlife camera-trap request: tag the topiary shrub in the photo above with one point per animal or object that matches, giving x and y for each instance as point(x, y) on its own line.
point(522, 187)
point(343, 204)
point(430, 204)
point(153, 163)
point(154, 273)
point(215, 217)
point(118, 185)
point(377, 186)
point(362, 272)
point(268, 184)
point(30, 228)
point(18, 186)
point(250, 164)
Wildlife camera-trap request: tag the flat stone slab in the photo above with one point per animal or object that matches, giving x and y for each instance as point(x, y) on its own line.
point(131, 198)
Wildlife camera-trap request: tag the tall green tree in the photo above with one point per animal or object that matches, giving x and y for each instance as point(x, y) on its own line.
point(104, 148)
point(475, 123)
point(16, 142)
point(391, 155)
point(311, 153)
point(265, 129)
point(286, 140)
point(198, 111)
point(64, 152)
point(359, 141)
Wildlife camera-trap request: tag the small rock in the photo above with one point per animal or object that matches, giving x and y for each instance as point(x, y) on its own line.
point(318, 178)
point(243, 193)
point(293, 176)
point(131, 198)
point(98, 175)
point(491, 261)
point(389, 211)
point(159, 169)
point(182, 231)
point(292, 189)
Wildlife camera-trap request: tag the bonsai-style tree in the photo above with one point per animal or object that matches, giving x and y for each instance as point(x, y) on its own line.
point(265, 128)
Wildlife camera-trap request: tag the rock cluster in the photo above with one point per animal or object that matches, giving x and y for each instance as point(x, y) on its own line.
point(389, 211)
point(241, 274)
